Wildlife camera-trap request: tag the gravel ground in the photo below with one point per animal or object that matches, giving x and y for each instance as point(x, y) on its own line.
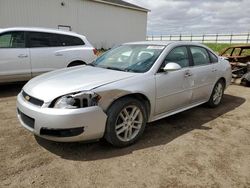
point(198, 148)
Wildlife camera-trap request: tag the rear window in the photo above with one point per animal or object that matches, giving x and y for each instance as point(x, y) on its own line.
point(41, 39)
point(67, 40)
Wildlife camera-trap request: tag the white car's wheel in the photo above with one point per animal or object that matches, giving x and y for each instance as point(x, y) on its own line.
point(126, 122)
point(217, 94)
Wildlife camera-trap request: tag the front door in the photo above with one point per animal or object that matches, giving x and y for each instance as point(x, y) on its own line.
point(14, 57)
point(174, 89)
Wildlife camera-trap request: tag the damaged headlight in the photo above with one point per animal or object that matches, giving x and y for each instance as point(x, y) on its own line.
point(76, 100)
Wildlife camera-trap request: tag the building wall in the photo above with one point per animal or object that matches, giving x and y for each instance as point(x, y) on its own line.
point(104, 25)
point(112, 25)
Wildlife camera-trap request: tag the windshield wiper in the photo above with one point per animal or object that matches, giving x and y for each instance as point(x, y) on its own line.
point(132, 70)
point(114, 68)
point(91, 64)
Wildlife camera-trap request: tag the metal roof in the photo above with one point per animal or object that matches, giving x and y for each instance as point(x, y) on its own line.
point(124, 4)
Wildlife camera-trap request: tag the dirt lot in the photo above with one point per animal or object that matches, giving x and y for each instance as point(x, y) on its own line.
point(198, 148)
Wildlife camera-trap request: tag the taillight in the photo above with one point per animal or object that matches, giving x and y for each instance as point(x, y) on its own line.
point(95, 51)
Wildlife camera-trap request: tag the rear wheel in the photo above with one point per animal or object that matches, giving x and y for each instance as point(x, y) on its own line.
point(126, 122)
point(217, 94)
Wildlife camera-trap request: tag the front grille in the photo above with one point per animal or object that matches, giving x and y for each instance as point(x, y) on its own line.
point(32, 100)
point(26, 119)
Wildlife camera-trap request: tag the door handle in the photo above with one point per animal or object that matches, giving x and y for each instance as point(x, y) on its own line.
point(214, 70)
point(58, 54)
point(188, 74)
point(22, 56)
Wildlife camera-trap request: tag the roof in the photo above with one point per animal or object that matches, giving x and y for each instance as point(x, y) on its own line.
point(161, 43)
point(164, 43)
point(40, 29)
point(240, 46)
point(124, 4)
point(170, 43)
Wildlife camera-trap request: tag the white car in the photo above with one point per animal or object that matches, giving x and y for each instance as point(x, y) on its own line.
point(28, 52)
point(116, 95)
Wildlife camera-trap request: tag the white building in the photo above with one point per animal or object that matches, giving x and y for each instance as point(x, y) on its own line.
point(104, 22)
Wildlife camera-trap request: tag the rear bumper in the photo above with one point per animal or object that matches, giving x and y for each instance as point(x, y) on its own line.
point(63, 125)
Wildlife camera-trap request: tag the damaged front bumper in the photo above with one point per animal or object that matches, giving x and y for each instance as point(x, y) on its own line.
point(63, 125)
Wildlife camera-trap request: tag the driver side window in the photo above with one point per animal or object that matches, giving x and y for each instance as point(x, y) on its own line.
point(178, 55)
point(14, 39)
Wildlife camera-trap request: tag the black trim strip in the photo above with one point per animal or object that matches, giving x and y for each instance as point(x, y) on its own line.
point(62, 132)
point(26, 119)
point(32, 100)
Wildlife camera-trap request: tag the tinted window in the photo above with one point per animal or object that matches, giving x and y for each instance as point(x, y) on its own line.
point(12, 40)
point(67, 40)
point(213, 57)
point(178, 55)
point(200, 55)
point(39, 39)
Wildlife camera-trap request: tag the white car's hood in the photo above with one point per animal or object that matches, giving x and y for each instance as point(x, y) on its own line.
point(51, 85)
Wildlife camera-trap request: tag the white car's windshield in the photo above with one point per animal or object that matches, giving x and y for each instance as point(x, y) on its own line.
point(132, 58)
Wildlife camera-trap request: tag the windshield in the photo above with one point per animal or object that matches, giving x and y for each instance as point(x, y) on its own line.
point(130, 58)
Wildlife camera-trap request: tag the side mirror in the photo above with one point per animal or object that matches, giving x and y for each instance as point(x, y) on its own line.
point(171, 67)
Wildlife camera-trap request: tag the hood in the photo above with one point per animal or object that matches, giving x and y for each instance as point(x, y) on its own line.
point(51, 85)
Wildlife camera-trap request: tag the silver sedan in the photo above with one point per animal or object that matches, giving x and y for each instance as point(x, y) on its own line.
point(126, 87)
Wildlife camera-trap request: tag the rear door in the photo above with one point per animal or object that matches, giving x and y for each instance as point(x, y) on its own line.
point(204, 74)
point(50, 51)
point(14, 57)
point(45, 52)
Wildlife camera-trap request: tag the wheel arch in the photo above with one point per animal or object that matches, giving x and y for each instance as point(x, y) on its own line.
point(223, 80)
point(76, 63)
point(138, 96)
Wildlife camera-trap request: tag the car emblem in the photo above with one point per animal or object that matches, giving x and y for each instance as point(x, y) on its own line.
point(27, 97)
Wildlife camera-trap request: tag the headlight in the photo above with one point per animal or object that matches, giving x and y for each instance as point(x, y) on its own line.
point(76, 100)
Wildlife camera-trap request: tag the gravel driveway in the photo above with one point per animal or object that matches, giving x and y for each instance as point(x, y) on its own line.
point(201, 147)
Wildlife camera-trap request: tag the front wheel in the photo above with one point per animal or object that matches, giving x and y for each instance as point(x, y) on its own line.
point(217, 94)
point(126, 122)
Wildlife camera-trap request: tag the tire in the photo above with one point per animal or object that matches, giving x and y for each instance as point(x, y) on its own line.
point(217, 94)
point(122, 129)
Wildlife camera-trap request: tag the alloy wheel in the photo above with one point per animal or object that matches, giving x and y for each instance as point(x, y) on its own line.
point(129, 123)
point(218, 92)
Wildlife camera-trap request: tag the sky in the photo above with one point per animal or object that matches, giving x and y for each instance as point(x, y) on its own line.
point(196, 16)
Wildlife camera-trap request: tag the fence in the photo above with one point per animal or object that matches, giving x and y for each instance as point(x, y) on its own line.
point(204, 38)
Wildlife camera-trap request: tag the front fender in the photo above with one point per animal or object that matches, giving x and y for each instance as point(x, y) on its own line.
point(109, 96)
point(140, 85)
